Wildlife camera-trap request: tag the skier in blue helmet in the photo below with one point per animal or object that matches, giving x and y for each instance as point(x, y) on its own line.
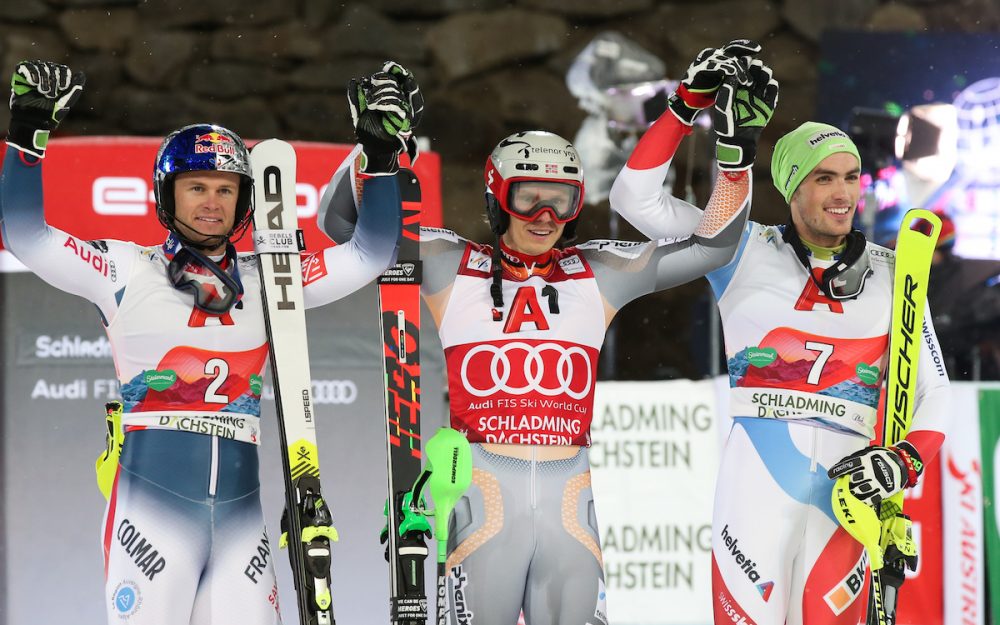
point(202, 147)
point(184, 538)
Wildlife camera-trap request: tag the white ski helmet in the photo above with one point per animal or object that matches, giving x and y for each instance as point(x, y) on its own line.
point(533, 156)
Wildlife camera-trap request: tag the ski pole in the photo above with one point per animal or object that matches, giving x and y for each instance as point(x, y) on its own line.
point(448, 473)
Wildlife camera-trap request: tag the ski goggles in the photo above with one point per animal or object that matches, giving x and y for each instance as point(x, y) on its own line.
point(527, 199)
point(214, 288)
point(845, 279)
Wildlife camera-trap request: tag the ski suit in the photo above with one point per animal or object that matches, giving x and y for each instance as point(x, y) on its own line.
point(525, 535)
point(184, 537)
point(805, 373)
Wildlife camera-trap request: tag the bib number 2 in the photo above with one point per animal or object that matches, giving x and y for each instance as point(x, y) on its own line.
point(219, 369)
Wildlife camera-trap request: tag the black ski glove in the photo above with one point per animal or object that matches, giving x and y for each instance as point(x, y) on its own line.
point(385, 107)
point(740, 115)
point(41, 93)
point(706, 74)
point(878, 473)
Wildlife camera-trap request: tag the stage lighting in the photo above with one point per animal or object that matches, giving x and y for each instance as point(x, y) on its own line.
point(879, 137)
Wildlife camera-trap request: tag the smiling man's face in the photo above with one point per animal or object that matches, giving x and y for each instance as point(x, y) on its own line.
point(205, 205)
point(534, 237)
point(823, 205)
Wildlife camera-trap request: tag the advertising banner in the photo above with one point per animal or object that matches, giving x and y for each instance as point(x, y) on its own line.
point(921, 597)
point(989, 431)
point(101, 188)
point(962, 495)
point(654, 460)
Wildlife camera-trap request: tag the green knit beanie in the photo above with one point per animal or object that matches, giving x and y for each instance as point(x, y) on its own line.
point(800, 151)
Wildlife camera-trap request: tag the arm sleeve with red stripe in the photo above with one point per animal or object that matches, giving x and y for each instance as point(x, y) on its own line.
point(623, 274)
point(637, 193)
point(933, 400)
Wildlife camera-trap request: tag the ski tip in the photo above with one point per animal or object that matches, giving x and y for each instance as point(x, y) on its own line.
point(923, 222)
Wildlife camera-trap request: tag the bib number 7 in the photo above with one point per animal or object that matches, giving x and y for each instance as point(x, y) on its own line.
point(816, 371)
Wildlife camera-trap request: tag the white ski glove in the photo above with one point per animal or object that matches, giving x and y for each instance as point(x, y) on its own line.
point(878, 473)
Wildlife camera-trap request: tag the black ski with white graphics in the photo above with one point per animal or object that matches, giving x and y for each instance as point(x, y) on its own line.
point(278, 241)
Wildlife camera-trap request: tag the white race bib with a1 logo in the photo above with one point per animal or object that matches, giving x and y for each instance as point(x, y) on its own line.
point(529, 378)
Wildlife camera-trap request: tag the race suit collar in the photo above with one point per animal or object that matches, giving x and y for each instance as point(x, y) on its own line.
point(824, 253)
point(173, 245)
point(521, 259)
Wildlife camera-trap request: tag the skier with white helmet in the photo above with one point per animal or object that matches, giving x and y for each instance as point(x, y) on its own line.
point(522, 321)
point(184, 537)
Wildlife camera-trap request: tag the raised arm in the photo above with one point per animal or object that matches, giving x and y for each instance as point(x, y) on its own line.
point(361, 208)
point(42, 95)
point(376, 155)
point(338, 271)
point(637, 192)
point(741, 112)
point(626, 271)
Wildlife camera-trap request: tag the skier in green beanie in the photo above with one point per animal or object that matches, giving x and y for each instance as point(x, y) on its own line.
point(817, 169)
point(805, 311)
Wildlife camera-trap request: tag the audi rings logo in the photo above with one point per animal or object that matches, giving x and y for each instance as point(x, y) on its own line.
point(325, 392)
point(534, 361)
point(334, 391)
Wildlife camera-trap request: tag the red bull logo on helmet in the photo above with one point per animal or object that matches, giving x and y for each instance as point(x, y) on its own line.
point(214, 143)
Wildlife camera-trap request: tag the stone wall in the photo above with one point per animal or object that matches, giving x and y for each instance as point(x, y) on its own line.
point(488, 67)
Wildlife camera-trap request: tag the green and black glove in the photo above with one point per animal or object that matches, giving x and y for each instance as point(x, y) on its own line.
point(706, 74)
point(740, 115)
point(385, 108)
point(41, 93)
point(413, 95)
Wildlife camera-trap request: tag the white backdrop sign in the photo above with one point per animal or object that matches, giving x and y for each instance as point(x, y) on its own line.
point(654, 460)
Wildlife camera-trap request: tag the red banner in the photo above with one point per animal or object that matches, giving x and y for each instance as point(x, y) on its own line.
point(921, 599)
point(101, 187)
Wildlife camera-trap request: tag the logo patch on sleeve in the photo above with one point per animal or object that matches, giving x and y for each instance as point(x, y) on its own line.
point(313, 268)
point(572, 264)
point(478, 261)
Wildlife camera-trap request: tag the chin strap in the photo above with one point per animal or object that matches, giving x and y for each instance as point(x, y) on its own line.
point(212, 241)
point(496, 288)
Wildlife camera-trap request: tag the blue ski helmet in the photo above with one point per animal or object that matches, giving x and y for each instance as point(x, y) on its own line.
point(202, 147)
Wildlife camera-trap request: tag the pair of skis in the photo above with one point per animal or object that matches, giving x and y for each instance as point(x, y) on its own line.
point(887, 533)
point(307, 523)
point(448, 468)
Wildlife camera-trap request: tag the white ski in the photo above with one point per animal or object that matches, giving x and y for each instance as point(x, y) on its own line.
point(306, 524)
